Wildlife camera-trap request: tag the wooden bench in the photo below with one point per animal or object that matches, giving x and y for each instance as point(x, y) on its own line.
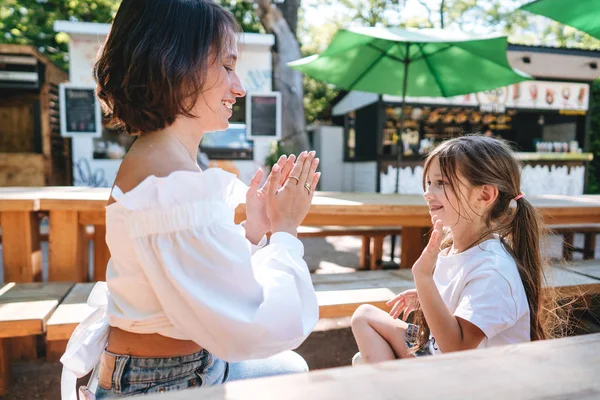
point(370, 255)
point(71, 311)
point(24, 310)
point(568, 232)
point(339, 295)
point(558, 369)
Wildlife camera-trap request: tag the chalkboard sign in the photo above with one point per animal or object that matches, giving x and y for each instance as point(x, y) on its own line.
point(79, 111)
point(263, 115)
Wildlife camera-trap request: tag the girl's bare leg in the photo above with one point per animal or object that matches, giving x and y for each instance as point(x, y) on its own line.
point(379, 337)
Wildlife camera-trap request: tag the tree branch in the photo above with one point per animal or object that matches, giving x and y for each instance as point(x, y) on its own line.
point(429, 12)
point(442, 10)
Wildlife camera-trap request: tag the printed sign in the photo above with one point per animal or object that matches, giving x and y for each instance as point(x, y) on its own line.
point(537, 95)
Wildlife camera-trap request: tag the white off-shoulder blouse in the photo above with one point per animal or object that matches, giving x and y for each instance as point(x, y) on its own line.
point(182, 268)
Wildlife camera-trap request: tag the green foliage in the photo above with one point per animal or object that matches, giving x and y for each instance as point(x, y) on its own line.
point(371, 12)
point(318, 96)
point(278, 149)
point(31, 22)
point(244, 14)
point(594, 166)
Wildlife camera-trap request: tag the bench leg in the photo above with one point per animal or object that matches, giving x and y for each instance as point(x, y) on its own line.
point(414, 241)
point(589, 248)
point(22, 348)
point(568, 246)
point(4, 368)
point(377, 253)
point(55, 349)
point(364, 252)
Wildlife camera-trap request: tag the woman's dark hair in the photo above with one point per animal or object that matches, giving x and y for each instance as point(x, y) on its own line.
point(155, 59)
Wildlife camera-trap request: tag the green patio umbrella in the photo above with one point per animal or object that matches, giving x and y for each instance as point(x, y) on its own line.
point(581, 14)
point(407, 62)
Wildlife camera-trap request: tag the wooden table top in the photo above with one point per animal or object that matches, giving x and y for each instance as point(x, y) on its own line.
point(327, 208)
point(17, 199)
point(558, 368)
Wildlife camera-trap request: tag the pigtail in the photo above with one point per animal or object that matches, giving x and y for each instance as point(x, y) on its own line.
point(550, 316)
point(525, 234)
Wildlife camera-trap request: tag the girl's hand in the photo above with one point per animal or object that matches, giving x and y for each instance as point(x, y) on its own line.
point(257, 221)
point(288, 204)
point(405, 303)
point(426, 263)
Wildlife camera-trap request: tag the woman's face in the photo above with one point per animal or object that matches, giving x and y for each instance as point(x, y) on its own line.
point(221, 88)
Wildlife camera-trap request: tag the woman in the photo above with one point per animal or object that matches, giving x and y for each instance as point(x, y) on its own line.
point(195, 300)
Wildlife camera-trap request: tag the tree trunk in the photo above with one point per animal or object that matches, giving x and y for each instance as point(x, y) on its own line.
point(289, 8)
point(286, 80)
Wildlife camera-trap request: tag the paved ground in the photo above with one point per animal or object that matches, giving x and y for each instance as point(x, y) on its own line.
point(329, 346)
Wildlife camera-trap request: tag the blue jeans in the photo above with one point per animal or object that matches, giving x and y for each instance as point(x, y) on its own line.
point(134, 376)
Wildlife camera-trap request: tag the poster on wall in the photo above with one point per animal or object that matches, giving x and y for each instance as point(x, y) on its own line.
point(79, 111)
point(535, 95)
point(263, 115)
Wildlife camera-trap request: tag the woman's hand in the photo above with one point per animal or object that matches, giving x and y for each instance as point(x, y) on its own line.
point(257, 221)
point(426, 263)
point(288, 203)
point(405, 303)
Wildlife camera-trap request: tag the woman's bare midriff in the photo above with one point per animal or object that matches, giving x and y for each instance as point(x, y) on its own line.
point(148, 345)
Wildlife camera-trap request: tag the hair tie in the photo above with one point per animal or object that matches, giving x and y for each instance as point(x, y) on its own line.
point(519, 196)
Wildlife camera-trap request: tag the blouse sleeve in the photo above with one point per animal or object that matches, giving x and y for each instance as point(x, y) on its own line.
point(236, 304)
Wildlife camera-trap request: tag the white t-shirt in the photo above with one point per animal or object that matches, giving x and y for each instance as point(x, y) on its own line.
point(482, 285)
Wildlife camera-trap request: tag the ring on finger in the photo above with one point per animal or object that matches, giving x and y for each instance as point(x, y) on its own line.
point(307, 187)
point(296, 178)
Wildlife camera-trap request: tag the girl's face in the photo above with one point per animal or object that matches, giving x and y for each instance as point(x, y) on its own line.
point(451, 206)
point(222, 87)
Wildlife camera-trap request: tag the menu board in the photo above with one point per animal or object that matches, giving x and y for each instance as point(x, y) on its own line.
point(80, 111)
point(263, 115)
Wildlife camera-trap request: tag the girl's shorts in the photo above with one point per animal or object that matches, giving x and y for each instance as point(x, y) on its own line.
point(411, 337)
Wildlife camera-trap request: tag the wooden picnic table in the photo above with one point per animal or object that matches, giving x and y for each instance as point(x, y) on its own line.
point(558, 369)
point(71, 208)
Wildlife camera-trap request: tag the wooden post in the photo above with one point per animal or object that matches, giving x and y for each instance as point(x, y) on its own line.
point(414, 240)
point(68, 247)
point(589, 247)
point(4, 368)
point(568, 245)
point(365, 252)
point(22, 253)
point(101, 253)
point(377, 252)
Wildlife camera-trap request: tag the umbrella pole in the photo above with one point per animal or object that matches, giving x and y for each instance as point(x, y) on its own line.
point(400, 144)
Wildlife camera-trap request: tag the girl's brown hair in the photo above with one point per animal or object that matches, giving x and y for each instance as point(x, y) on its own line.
point(155, 59)
point(480, 160)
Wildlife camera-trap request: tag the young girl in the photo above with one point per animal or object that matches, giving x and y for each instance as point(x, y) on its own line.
point(479, 280)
